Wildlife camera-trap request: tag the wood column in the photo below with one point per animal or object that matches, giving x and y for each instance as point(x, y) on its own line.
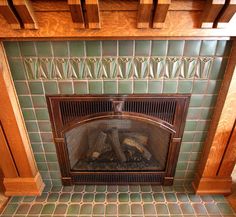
point(21, 176)
point(214, 172)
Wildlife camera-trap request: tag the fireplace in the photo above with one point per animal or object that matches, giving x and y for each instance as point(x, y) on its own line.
point(117, 139)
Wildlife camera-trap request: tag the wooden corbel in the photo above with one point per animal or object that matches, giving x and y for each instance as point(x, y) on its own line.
point(144, 13)
point(93, 14)
point(76, 13)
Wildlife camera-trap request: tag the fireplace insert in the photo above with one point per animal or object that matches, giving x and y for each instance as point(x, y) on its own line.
point(117, 139)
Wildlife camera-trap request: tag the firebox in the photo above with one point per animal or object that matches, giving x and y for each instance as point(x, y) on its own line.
point(118, 139)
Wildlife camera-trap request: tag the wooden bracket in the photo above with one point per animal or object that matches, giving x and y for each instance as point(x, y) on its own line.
point(93, 15)
point(76, 13)
point(210, 12)
point(144, 13)
point(26, 13)
point(160, 13)
point(226, 14)
point(8, 13)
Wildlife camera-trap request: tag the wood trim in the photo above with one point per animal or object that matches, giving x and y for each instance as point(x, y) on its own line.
point(24, 186)
point(8, 13)
point(144, 13)
point(93, 14)
point(160, 13)
point(26, 13)
point(76, 13)
point(210, 13)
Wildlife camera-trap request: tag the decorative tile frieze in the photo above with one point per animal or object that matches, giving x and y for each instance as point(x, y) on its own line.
point(118, 68)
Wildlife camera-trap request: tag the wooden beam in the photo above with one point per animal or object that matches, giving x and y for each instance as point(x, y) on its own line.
point(7, 12)
point(144, 13)
point(76, 13)
point(226, 14)
point(210, 13)
point(160, 13)
point(26, 13)
point(93, 14)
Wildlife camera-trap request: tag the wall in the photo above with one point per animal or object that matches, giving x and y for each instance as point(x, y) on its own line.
point(123, 67)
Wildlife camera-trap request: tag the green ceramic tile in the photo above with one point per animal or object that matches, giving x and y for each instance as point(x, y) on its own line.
point(182, 197)
point(212, 209)
point(199, 86)
point(188, 136)
point(135, 197)
point(209, 100)
point(213, 86)
point(25, 101)
point(48, 209)
point(39, 157)
point(53, 166)
point(123, 188)
point(81, 87)
point(60, 209)
point(175, 48)
point(159, 197)
point(27, 48)
point(168, 188)
point(184, 156)
point(136, 209)
point(196, 100)
point(126, 48)
point(12, 48)
point(208, 48)
point(39, 101)
point(199, 209)
point(146, 188)
point(76, 197)
point(86, 209)
point(194, 113)
point(181, 166)
point(64, 197)
point(21, 87)
point(44, 126)
point(206, 113)
point(55, 174)
point(32, 126)
point(134, 188)
point(44, 48)
point(42, 166)
point(207, 198)
point(88, 197)
point(197, 146)
point(194, 198)
point(149, 209)
point(223, 48)
point(93, 48)
point(50, 87)
point(49, 147)
point(111, 197)
point(111, 209)
point(77, 48)
point(29, 198)
point(125, 87)
point(73, 209)
point(42, 114)
point(155, 86)
point(219, 198)
point(218, 68)
point(147, 197)
point(170, 197)
point(159, 48)
point(123, 209)
point(100, 197)
point(36, 87)
point(78, 188)
point(185, 86)
point(140, 86)
point(51, 157)
point(65, 87)
point(109, 48)
point(95, 87)
point(186, 147)
point(174, 208)
point(35, 209)
point(16, 199)
point(34, 137)
point(17, 69)
point(190, 125)
point(101, 188)
point(60, 48)
point(90, 188)
point(194, 156)
point(123, 197)
point(99, 209)
point(46, 137)
point(225, 208)
point(142, 48)
point(187, 209)
point(192, 48)
point(156, 188)
point(56, 182)
point(161, 209)
point(170, 86)
point(110, 87)
point(10, 209)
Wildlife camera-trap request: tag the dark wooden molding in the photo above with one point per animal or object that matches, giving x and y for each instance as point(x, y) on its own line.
point(93, 14)
point(26, 13)
point(160, 13)
point(76, 13)
point(144, 13)
point(211, 10)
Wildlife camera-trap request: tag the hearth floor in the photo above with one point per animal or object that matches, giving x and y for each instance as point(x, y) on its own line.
point(122, 201)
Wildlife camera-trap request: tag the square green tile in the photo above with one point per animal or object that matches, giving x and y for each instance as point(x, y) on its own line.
point(55, 174)
point(73, 209)
point(50, 87)
point(190, 125)
point(49, 147)
point(81, 87)
point(109, 48)
point(213, 86)
point(53, 167)
point(12, 48)
point(27, 48)
point(194, 113)
point(125, 87)
point(126, 48)
point(93, 48)
point(174, 208)
point(76, 197)
point(196, 100)
point(170, 86)
point(149, 209)
point(223, 48)
point(186, 147)
point(187, 209)
point(60, 209)
point(21, 87)
point(147, 197)
point(51, 157)
point(206, 113)
point(10, 209)
point(39, 157)
point(146, 188)
point(39, 101)
point(86, 209)
point(202, 125)
point(181, 166)
point(159, 197)
point(36, 87)
point(90, 188)
point(77, 48)
point(88, 197)
point(199, 86)
point(192, 48)
point(46, 137)
point(208, 48)
point(197, 146)
point(140, 86)
point(42, 166)
point(25, 101)
point(185, 86)
point(34, 137)
point(48, 209)
point(32, 126)
point(64, 197)
point(60, 48)
point(111, 209)
point(199, 209)
point(170, 197)
point(17, 69)
point(200, 136)
point(123, 197)
point(110, 87)
point(209, 100)
point(161, 209)
point(218, 68)
point(100, 197)
point(188, 136)
point(37, 147)
point(65, 87)
point(123, 209)
point(42, 114)
point(225, 208)
point(35, 209)
point(53, 197)
point(159, 48)
point(44, 126)
point(44, 48)
point(175, 48)
point(142, 48)
point(136, 209)
point(95, 87)
point(99, 209)
point(112, 197)
point(155, 86)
